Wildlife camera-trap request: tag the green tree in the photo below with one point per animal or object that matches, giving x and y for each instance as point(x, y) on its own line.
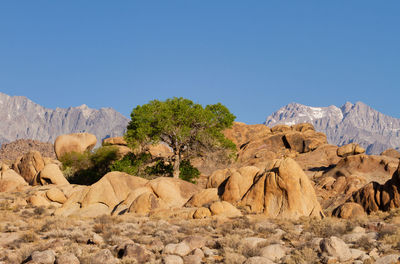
point(186, 127)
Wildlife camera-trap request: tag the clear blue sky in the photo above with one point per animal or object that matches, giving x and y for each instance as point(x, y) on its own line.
point(252, 56)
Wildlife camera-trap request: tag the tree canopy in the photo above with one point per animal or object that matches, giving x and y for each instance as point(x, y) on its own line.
point(186, 127)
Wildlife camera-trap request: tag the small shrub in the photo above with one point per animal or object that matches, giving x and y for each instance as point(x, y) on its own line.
point(88, 167)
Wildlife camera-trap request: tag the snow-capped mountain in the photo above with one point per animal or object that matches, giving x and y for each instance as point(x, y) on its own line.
point(20, 118)
point(350, 123)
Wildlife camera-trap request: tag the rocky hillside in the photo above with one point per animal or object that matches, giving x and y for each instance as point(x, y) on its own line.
point(23, 119)
point(350, 123)
point(12, 150)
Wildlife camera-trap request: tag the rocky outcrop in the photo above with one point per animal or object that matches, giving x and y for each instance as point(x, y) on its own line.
point(350, 149)
point(11, 181)
point(77, 142)
point(283, 141)
point(375, 196)
point(391, 153)
point(283, 190)
point(349, 210)
point(29, 166)
point(11, 151)
point(350, 174)
point(51, 174)
point(118, 193)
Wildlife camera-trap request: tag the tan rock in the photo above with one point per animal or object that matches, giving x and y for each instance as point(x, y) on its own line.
point(280, 128)
point(51, 174)
point(350, 149)
point(349, 211)
point(123, 207)
point(11, 181)
point(38, 200)
point(203, 197)
point(122, 151)
point(224, 209)
point(173, 192)
point(303, 127)
point(113, 188)
point(375, 196)
point(77, 142)
point(145, 203)
point(56, 195)
point(241, 133)
point(160, 150)
point(283, 191)
point(239, 183)
point(391, 153)
point(201, 213)
point(218, 177)
point(115, 141)
point(29, 165)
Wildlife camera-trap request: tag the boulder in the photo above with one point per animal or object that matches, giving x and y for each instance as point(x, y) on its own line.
point(104, 256)
point(203, 197)
point(241, 133)
point(320, 160)
point(350, 149)
point(112, 189)
point(51, 174)
point(145, 203)
point(56, 195)
point(77, 142)
point(138, 253)
point(218, 177)
point(391, 153)
point(375, 196)
point(283, 190)
point(172, 259)
point(114, 141)
point(201, 213)
point(238, 183)
point(303, 127)
point(67, 258)
point(160, 150)
point(224, 209)
point(274, 252)
point(180, 249)
point(43, 257)
point(280, 128)
point(38, 201)
point(349, 210)
point(11, 181)
point(173, 192)
point(29, 165)
point(336, 248)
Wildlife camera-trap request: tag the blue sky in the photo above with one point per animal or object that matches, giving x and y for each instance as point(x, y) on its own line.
point(252, 56)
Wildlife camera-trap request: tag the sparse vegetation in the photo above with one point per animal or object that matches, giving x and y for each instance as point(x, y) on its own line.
point(88, 167)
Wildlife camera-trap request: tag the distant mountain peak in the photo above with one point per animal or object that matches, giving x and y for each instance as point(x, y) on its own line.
point(350, 123)
point(20, 118)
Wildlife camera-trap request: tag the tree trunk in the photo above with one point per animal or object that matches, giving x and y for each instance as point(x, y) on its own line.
point(177, 162)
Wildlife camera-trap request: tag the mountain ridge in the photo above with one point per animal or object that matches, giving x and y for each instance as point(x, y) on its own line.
point(356, 122)
point(22, 118)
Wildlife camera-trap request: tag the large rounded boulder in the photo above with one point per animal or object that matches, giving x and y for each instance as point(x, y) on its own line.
point(77, 142)
point(283, 190)
point(29, 165)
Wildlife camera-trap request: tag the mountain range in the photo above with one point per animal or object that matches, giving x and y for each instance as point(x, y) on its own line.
point(357, 123)
point(20, 118)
